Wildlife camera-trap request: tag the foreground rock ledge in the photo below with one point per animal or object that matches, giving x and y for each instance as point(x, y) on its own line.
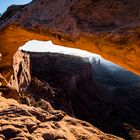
point(110, 28)
point(23, 122)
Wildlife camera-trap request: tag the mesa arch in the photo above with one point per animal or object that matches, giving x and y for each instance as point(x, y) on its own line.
point(106, 27)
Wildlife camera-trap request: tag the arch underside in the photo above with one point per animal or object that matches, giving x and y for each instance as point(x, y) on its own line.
point(109, 28)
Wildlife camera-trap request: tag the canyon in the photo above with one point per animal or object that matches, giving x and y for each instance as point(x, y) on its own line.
point(47, 87)
point(109, 28)
point(47, 96)
point(69, 83)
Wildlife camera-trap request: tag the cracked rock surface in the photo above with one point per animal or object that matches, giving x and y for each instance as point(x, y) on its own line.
point(110, 28)
point(21, 122)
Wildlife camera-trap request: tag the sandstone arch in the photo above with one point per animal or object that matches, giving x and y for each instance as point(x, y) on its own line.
point(110, 28)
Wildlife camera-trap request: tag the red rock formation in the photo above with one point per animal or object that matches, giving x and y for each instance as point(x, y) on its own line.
point(66, 82)
point(9, 92)
point(23, 122)
point(21, 76)
point(106, 27)
point(60, 80)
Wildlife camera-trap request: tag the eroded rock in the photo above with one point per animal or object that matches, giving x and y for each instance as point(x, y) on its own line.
point(67, 83)
point(110, 28)
point(24, 122)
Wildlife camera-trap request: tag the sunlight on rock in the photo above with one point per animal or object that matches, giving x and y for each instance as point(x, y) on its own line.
point(50, 91)
point(0, 56)
point(48, 46)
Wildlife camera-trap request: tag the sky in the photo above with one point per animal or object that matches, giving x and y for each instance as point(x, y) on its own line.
point(48, 46)
point(4, 4)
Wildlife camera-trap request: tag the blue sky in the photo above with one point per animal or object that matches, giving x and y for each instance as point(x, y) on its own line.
point(4, 4)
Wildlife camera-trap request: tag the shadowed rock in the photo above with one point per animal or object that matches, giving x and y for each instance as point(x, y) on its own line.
point(68, 83)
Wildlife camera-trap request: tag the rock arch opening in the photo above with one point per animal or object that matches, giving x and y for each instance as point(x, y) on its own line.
point(114, 34)
point(79, 84)
point(106, 27)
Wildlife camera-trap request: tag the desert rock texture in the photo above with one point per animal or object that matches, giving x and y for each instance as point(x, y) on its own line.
point(107, 27)
point(110, 28)
point(21, 122)
point(69, 83)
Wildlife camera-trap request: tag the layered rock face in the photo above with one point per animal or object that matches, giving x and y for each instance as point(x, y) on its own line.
point(63, 80)
point(107, 27)
point(21, 76)
point(43, 122)
point(67, 83)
